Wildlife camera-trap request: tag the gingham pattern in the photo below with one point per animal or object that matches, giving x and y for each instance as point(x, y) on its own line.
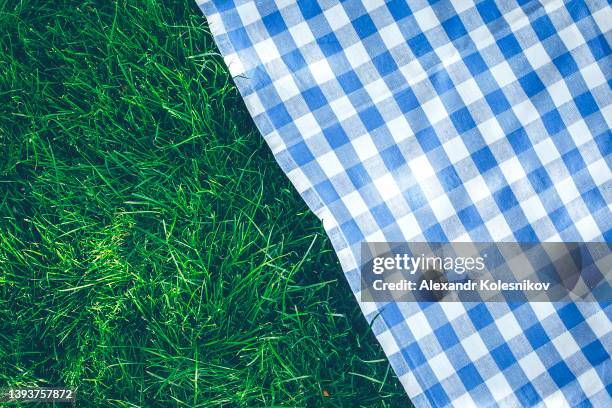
point(449, 121)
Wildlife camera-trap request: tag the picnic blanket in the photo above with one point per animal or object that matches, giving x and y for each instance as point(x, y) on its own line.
point(444, 121)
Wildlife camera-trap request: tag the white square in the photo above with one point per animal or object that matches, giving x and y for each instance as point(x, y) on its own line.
point(491, 131)
point(532, 366)
point(516, 19)
point(234, 65)
point(474, 347)
point(508, 326)
point(372, 5)
point(388, 343)
point(254, 104)
point(477, 188)
point(498, 228)
point(512, 170)
point(588, 229)
point(413, 72)
point(307, 125)
point(600, 324)
point(411, 385)
point(441, 367)
point(448, 54)
point(567, 190)
point(409, 226)
point(453, 310)
point(556, 400)
point(275, 142)
point(355, 204)
point(248, 13)
point(420, 166)
point(593, 76)
point(559, 93)
point(330, 164)
point(286, 87)
point(343, 108)
point(499, 387)
point(482, 37)
point(461, 5)
point(526, 112)
point(435, 110)
point(357, 55)
point(542, 309)
point(600, 172)
point(580, 133)
point(537, 56)
point(533, 209)
point(469, 91)
point(566, 345)
point(301, 34)
point(400, 129)
point(442, 207)
point(419, 326)
point(464, 400)
point(590, 383)
point(603, 19)
point(378, 90)
point(365, 147)
point(455, 150)
point(336, 17)
point(426, 18)
point(571, 37)
point(299, 179)
point(266, 51)
point(546, 151)
point(392, 36)
point(387, 187)
point(321, 71)
point(503, 74)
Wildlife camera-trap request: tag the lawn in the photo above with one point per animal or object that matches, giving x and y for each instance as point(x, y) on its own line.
point(152, 253)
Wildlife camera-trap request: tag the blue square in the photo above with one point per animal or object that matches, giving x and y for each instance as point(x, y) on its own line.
point(475, 64)
point(350, 82)
point(561, 219)
point(586, 104)
point(503, 356)
point(364, 26)
point(604, 143)
point(300, 153)
point(329, 44)
point(470, 376)
point(406, 100)
point(565, 64)
point(393, 157)
point(274, 23)
point(413, 355)
point(309, 9)
point(371, 118)
point(480, 316)
point(543, 27)
point(384, 63)
point(441, 81)
point(239, 39)
point(398, 9)
point(570, 315)
point(382, 215)
point(449, 178)
point(420, 45)
point(437, 394)
point(599, 47)
point(428, 139)
point(351, 231)
point(392, 315)
point(435, 234)
point(578, 9)
point(446, 336)
point(526, 234)
point(540, 180)
point(454, 28)
point(573, 161)
point(279, 115)
point(488, 11)
point(497, 102)
point(594, 200)
point(519, 140)
point(415, 197)
point(532, 84)
point(595, 353)
point(561, 374)
point(314, 98)
point(537, 336)
point(335, 135)
point(327, 192)
point(552, 122)
point(509, 46)
point(505, 199)
point(484, 159)
point(462, 119)
point(528, 396)
point(294, 60)
point(470, 218)
point(359, 176)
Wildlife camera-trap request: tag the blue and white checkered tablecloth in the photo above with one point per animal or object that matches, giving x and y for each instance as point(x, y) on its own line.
point(446, 121)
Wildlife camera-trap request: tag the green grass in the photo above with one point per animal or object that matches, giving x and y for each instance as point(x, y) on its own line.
point(152, 253)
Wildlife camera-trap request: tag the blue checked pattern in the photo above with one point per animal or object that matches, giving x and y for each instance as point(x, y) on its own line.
point(446, 121)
